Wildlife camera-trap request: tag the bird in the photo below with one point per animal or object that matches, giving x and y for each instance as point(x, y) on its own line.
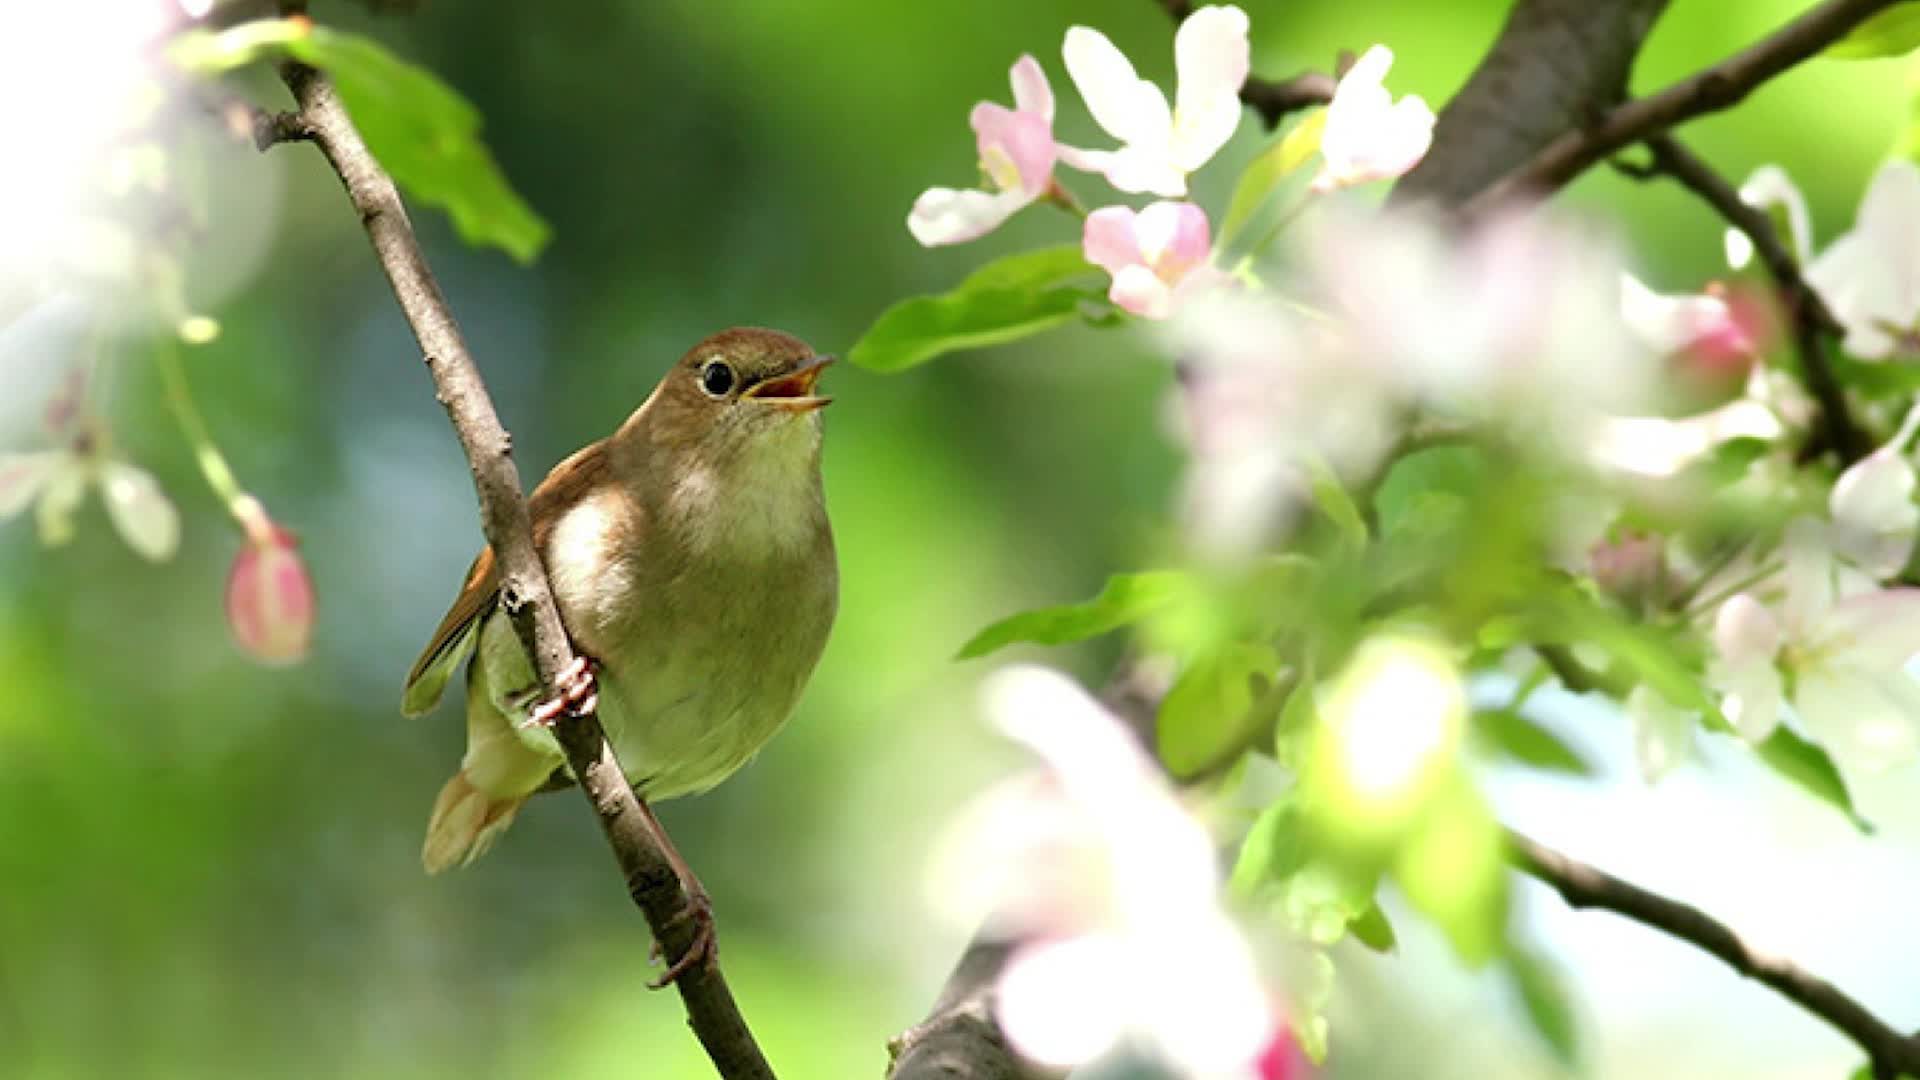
point(693, 565)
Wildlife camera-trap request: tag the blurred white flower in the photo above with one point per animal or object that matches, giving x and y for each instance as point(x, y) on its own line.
point(1514, 322)
point(1016, 153)
point(1670, 323)
point(1107, 880)
point(1874, 518)
point(1369, 136)
point(1870, 276)
point(57, 480)
point(1846, 643)
point(1161, 144)
point(1662, 731)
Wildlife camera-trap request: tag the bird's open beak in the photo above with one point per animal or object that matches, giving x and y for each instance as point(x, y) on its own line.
point(794, 390)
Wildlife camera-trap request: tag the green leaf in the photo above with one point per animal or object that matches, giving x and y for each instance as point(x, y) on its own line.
point(1879, 379)
point(1203, 718)
point(1332, 499)
point(1371, 928)
point(1436, 479)
point(1893, 32)
point(1542, 987)
point(1126, 599)
point(1006, 300)
point(1514, 736)
point(1264, 173)
point(421, 130)
point(1452, 868)
point(1808, 766)
point(1273, 849)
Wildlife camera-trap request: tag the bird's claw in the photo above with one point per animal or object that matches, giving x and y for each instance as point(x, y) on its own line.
point(578, 694)
point(704, 949)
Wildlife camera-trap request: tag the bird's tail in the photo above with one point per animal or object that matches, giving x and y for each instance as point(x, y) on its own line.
point(465, 823)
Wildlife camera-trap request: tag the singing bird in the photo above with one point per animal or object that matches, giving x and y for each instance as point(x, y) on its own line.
point(693, 565)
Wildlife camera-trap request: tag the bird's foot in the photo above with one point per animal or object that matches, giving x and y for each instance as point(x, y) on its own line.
point(577, 694)
point(704, 949)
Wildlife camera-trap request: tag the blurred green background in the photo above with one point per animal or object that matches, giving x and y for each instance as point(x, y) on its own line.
point(211, 869)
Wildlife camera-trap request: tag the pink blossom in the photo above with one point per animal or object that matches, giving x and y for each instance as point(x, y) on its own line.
point(1017, 155)
point(1369, 136)
point(1161, 144)
point(269, 594)
point(1156, 256)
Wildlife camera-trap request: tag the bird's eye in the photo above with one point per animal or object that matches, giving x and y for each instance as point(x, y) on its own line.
point(716, 378)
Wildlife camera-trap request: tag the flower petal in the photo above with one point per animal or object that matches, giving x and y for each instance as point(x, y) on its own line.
point(140, 510)
point(1745, 632)
point(22, 476)
point(1109, 241)
point(1031, 94)
point(1174, 238)
point(1768, 187)
point(1662, 731)
point(1212, 58)
point(1063, 1003)
point(1878, 630)
point(1868, 721)
point(1126, 106)
point(1670, 323)
point(945, 216)
point(1875, 519)
point(1140, 290)
point(1368, 135)
point(1016, 148)
point(60, 495)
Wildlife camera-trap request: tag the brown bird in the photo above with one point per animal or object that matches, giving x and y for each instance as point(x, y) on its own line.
point(693, 565)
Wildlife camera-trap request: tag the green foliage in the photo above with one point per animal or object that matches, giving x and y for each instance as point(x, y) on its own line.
point(1545, 999)
point(1430, 489)
point(1263, 174)
point(1204, 719)
point(1452, 867)
point(421, 130)
point(1892, 32)
point(1126, 599)
point(1810, 768)
point(1337, 505)
point(1006, 300)
point(1510, 734)
point(1371, 928)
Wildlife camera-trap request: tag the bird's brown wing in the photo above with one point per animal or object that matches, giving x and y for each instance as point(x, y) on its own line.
point(454, 638)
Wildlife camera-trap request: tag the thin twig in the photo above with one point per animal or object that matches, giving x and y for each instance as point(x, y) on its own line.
point(650, 879)
point(1584, 886)
point(1719, 87)
point(1811, 318)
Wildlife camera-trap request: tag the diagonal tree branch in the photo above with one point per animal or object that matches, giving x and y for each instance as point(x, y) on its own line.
point(1811, 319)
point(1555, 66)
point(1719, 87)
point(1582, 886)
point(650, 879)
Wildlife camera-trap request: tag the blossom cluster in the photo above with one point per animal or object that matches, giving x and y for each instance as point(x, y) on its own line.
point(1161, 255)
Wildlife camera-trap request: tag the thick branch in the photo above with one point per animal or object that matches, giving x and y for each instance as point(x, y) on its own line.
point(1584, 886)
point(959, 1039)
point(1809, 314)
point(1555, 66)
point(524, 593)
point(1719, 87)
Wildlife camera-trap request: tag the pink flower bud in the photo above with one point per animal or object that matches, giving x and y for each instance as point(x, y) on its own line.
point(1631, 566)
point(269, 594)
